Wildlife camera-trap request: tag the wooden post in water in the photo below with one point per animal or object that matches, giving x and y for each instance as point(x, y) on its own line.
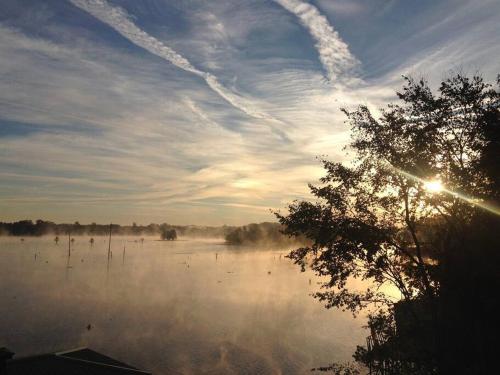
point(109, 243)
point(69, 243)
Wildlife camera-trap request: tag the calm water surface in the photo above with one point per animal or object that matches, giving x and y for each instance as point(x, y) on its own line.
point(169, 307)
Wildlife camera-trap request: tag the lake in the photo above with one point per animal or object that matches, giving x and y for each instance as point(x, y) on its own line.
point(180, 307)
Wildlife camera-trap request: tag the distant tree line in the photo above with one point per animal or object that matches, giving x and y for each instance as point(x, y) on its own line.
point(251, 234)
point(41, 227)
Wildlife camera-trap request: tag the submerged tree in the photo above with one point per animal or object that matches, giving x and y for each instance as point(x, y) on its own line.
point(168, 234)
point(408, 212)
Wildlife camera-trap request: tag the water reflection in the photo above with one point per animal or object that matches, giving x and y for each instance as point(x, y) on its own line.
point(170, 307)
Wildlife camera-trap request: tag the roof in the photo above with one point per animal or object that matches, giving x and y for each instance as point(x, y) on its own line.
point(75, 362)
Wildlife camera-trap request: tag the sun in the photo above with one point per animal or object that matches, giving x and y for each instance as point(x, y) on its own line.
point(434, 186)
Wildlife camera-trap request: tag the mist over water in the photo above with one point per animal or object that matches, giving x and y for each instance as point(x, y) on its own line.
point(170, 307)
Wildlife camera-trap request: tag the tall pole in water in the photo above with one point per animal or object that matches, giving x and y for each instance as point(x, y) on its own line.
point(109, 243)
point(69, 243)
point(109, 253)
point(69, 252)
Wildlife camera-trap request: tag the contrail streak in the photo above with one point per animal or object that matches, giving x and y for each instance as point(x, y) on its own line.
point(119, 20)
point(333, 52)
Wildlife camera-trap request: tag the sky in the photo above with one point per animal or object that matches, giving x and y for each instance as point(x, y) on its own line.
point(205, 112)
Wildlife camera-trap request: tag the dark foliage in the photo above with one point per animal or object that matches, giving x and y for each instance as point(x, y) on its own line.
point(375, 220)
point(168, 233)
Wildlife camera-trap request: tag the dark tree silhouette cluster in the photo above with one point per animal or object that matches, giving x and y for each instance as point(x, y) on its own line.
point(168, 234)
point(375, 219)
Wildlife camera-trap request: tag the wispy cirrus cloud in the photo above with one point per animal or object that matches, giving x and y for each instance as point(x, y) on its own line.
point(118, 19)
point(333, 52)
point(185, 130)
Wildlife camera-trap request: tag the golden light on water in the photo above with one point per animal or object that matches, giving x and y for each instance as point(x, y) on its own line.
point(433, 186)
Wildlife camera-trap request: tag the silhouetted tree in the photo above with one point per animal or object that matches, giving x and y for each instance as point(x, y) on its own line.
point(168, 234)
point(379, 219)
